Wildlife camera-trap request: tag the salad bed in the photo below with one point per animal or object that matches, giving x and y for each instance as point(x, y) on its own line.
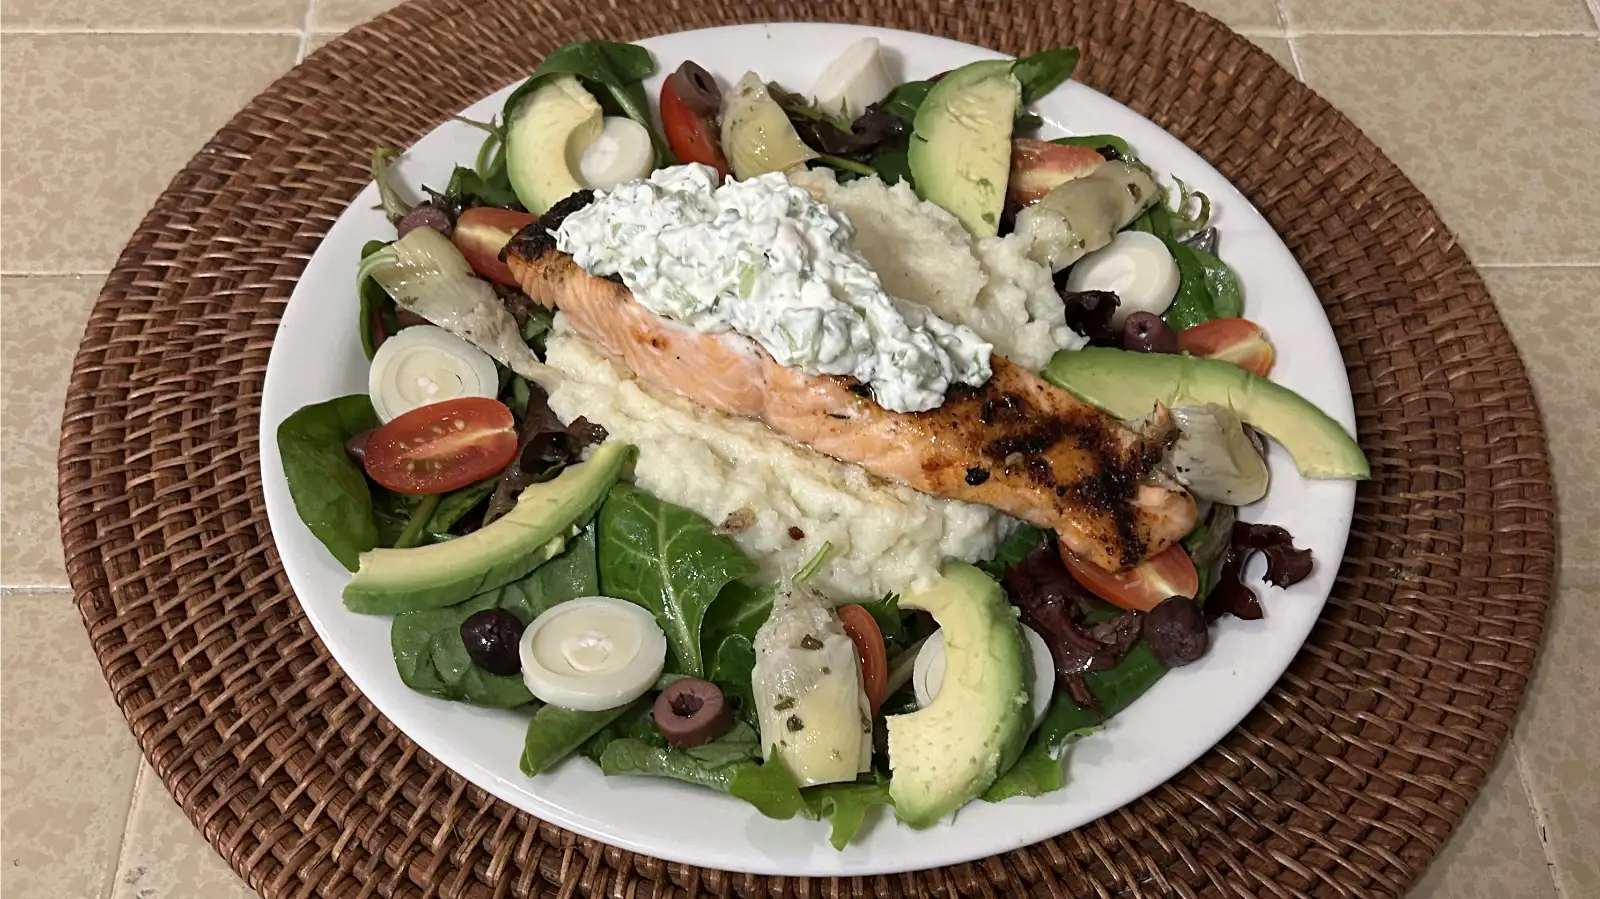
point(1110, 636)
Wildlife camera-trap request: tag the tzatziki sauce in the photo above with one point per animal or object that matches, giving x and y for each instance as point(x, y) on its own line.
point(764, 259)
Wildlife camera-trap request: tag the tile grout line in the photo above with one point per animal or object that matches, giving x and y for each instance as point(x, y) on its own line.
point(127, 827)
point(1539, 818)
point(305, 33)
point(1294, 49)
point(36, 591)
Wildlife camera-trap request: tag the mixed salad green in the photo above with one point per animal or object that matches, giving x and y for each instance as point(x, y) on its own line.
point(524, 571)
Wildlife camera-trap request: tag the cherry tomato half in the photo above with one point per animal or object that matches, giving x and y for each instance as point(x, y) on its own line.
point(1167, 573)
point(482, 232)
point(442, 446)
point(692, 137)
point(864, 632)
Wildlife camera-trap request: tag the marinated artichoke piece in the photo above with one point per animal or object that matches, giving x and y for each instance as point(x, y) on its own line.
point(1215, 458)
point(1082, 215)
point(757, 137)
point(807, 685)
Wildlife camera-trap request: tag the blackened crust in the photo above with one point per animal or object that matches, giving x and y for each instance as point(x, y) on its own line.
point(538, 239)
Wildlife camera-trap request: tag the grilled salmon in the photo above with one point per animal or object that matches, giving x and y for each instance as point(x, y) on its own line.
point(1017, 443)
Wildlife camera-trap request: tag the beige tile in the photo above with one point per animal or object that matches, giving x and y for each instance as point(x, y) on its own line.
point(109, 15)
point(1242, 15)
point(339, 15)
point(1497, 131)
point(96, 125)
point(69, 757)
point(43, 321)
point(1547, 311)
point(1438, 15)
point(1494, 853)
point(164, 855)
point(1557, 736)
point(1277, 48)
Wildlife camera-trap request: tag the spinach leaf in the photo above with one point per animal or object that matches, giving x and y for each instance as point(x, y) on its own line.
point(1022, 541)
point(731, 669)
point(886, 613)
point(845, 806)
point(377, 307)
point(1227, 299)
point(330, 491)
point(1040, 768)
point(1044, 71)
point(1156, 220)
point(739, 609)
point(712, 765)
point(1096, 141)
point(770, 789)
point(1038, 74)
point(893, 164)
point(555, 733)
point(1193, 304)
point(613, 72)
point(669, 560)
point(638, 725)
point(393, 510)
point(491, 187)
point(570, 575)
point(431, 657)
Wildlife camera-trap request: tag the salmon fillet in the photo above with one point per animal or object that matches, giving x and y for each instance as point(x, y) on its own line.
point(1017, 443)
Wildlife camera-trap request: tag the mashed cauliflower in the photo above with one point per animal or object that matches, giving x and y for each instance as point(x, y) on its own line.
point(921, 253)
point(779, 501)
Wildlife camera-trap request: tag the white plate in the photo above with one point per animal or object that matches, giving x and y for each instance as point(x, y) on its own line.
point(317, 356)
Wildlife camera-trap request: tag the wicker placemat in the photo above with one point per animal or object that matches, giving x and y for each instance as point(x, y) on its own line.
point(1344, 782)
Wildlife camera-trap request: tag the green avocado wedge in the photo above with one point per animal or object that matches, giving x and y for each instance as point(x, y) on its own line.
point(1128, 385)
point(546, 517)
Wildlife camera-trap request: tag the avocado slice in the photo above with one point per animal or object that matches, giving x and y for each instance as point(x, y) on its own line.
point(1129, 385)
point(547, 515)
point(948, 753)
point(545, 138)
point(960, 151)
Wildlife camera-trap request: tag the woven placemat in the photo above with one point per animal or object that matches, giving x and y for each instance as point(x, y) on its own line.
point(1343, 782)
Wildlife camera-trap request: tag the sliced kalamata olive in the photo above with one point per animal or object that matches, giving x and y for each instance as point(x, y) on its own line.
point(356, 446)
point(692, 712)
point(407, 318)
point(425, 215)
point(1089, 312)
point(1176, 629)
point(1145, 332)
point(491, 637)
point(697, 89)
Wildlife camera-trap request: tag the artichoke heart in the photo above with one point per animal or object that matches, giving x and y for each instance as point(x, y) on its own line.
point(807, 684)
point(1082, 215)
point(756, 134)
point(1215, 458)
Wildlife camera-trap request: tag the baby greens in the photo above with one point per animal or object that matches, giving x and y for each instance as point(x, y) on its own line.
point(670, 561)
point(329, 490)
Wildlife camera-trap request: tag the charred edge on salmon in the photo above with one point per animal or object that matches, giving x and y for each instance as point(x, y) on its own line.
point(1012, 433)
point(539, 238)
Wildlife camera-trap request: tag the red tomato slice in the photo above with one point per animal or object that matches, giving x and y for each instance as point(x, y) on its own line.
point(442, 446)
point(864, 632)
point(482, 232)
point(692, 137)
point(1233, 340)
point(1167, 573)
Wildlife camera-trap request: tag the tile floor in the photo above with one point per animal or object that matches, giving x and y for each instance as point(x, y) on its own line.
point(1492, 106)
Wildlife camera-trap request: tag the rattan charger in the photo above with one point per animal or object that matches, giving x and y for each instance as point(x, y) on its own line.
point(1346, 779)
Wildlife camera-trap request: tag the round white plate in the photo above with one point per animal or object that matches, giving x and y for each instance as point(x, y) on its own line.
point(317, 356)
